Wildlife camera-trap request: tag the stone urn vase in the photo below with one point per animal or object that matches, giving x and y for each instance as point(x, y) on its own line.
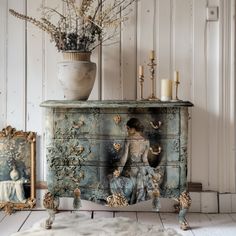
point(76, 74)
point(14, 174)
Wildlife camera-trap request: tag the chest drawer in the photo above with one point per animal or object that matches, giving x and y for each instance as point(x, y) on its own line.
point(71, 123)
point(156, 122)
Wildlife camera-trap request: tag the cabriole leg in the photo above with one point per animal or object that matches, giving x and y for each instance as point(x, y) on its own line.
point(184, 202)
point(51, 204)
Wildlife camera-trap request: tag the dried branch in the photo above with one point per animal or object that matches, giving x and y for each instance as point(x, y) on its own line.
point(32, 20)
point(80, 27)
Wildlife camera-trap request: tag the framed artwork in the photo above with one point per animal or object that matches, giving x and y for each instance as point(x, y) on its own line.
point(17, 169)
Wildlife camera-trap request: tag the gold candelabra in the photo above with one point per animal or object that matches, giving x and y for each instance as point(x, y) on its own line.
point(151, 66)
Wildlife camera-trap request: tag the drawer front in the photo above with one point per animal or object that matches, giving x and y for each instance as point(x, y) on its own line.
point(97, 183)
point(156, 122)
point(106, 152)
point(75, 123)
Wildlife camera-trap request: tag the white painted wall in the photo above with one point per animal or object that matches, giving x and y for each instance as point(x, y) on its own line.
point(203, 52)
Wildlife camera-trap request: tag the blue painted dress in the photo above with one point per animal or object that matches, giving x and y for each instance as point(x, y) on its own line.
point(134, 171)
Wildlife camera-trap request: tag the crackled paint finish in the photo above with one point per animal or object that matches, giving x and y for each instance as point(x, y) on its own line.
point(84, 140)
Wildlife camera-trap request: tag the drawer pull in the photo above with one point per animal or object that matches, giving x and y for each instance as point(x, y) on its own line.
point(78, 124)
point(157, 126)
point(117, 146)
point(117, 119)
point(155, 152)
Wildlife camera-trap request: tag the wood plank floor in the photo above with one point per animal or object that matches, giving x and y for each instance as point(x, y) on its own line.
point(201, 224)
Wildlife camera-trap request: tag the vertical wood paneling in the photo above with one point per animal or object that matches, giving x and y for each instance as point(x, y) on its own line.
point(212, 78)
point(163, 41)
point(3, 62)
point(182, 46)
point(52, 89)
point(145, 40)
point(16, 80)
point(200, 129)
point(128, 55)
point(226, 170)
point(35, 79)
point(111, 71)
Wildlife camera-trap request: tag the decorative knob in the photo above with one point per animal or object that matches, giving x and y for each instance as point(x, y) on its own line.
point(157, 126)
point(80, 149)
point(117, 119)
point(117, 146)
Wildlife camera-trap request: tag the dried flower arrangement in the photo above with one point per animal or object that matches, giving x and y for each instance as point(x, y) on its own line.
point(81, 26)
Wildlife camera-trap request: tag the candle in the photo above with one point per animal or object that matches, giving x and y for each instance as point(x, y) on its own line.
point(141, 70)
point(176, 76)
point(166, 90)
point(152, 55)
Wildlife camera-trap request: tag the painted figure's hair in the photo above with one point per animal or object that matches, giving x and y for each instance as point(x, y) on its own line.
point(136, 124)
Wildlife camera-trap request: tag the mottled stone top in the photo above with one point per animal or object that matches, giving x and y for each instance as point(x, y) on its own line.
point(113, 104)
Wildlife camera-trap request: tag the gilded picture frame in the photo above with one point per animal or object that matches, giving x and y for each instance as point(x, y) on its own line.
point(17, 169)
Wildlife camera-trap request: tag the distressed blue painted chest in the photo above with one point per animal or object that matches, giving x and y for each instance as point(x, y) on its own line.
point(116, 153)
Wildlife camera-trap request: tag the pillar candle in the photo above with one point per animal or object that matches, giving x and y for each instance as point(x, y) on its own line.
point(140, 70)
point(176, 76)
point(152, 55)
point(166, 90)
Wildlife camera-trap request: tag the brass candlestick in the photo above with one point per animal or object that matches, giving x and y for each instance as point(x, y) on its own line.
point(152, 65)
point(141, 80)
point(176, 91)
point(176, 81)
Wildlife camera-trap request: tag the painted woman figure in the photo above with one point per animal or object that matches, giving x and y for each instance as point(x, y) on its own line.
point(131, 175)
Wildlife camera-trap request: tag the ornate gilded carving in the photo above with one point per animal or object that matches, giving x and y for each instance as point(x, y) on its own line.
point(156, 126)
point(31, 137)
point(117, 146)
point(117, 119)
point(10, 207)
point(117, 200)
point(78, 125)
point(116, 173)
point(49, 201)
point(184, 202)
point(8, 132)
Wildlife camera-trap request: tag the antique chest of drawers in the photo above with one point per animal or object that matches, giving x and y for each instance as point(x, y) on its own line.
point(116, 152)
